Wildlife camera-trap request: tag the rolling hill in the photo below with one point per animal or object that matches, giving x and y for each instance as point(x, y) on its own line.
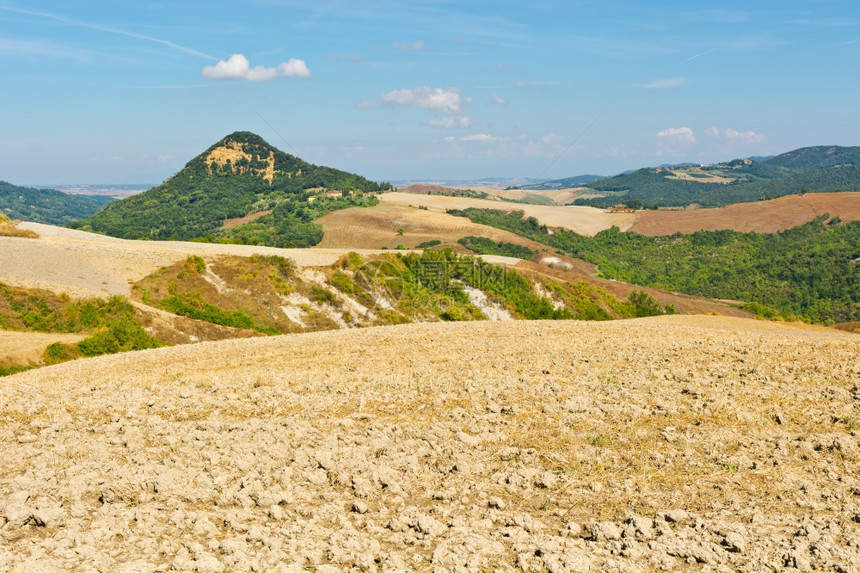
point(46, 205)
point(240, 190)
point(810, 169)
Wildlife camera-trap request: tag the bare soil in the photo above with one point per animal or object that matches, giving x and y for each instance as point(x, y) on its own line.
point(673, 443)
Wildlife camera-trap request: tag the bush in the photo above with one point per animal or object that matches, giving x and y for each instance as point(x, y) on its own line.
point(59, 352)
point(117, 337)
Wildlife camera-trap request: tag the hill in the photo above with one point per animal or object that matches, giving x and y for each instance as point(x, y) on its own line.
point(670, 443)
point(575, 181)
point(811, 169)
point(809, 271)
point(46, 205)
point(239, 190)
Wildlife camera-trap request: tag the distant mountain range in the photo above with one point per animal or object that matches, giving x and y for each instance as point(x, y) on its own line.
point(47, 205)
point(240, 190)
point(809, 169)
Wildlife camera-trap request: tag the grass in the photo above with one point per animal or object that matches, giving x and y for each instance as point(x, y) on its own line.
point(9, 228)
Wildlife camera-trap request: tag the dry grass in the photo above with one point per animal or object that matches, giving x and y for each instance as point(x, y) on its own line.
point(376, 227)
point(583, 220)
point(9, 228)
point(230, 224)
point(762, 217)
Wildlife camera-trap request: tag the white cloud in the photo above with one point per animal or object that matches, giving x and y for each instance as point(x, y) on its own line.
point(450, 139)
point(483, 137)
point(443, 100)
point(413, 47)
point(748, 136)
point(237, 67)
point(664, 84)
point(522, 85)
point(496, 100)
point(744, 136)
point(679, 134)
point(552, 138)
point(460, 121)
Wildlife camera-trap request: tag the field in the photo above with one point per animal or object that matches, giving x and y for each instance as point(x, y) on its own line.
point(671, 443)
point(584, 220)
point(18, 348)
point(764, 217)
point(376, 227)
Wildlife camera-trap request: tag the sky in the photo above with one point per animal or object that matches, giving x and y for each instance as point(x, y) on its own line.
point(434, 90)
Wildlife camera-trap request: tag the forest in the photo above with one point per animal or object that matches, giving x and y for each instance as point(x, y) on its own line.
point(810, 272)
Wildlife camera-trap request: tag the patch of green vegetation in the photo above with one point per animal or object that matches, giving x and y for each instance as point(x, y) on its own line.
point(42, 311)
point(809, 271)
point(643, 304)
point(485, 246)
point(9, 370)
point(428, 244)
point(192, 305)
point(113, 323)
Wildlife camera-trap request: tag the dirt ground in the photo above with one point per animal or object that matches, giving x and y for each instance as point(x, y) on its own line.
point(671, 443)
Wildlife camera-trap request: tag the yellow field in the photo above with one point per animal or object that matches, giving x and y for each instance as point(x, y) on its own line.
point(584, 220)
point(376, 227)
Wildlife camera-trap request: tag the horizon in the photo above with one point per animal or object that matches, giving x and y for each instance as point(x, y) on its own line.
point(421, 91)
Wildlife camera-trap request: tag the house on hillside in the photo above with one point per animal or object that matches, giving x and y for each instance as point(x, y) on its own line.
point(621, 208)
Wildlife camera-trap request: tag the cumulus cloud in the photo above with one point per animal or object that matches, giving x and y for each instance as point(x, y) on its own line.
point(407, 47)
point(483, 137)
point(442, 100)
point(745, 136)
point(679, 134)
point(460, 121)
point(664, 84)
point(552, 138)
point(496, 100)
point(237, 67)
point(748, 136)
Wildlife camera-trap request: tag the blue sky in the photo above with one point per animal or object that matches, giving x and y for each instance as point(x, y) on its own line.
point(97, 92)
